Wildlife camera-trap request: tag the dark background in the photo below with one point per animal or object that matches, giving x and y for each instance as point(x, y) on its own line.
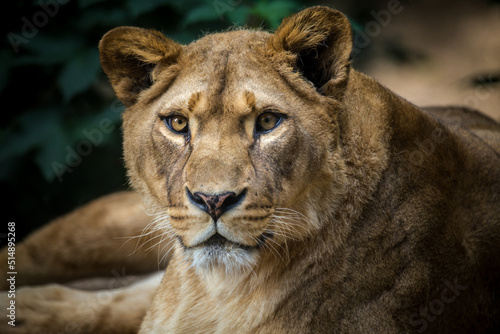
point(52, 90)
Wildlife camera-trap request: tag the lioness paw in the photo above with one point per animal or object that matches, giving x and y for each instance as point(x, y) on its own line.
point(51, 309)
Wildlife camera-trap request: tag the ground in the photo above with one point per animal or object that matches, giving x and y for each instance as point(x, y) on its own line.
point(438, 53)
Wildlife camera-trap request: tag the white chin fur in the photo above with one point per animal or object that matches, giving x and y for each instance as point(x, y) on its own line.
point(230, 261)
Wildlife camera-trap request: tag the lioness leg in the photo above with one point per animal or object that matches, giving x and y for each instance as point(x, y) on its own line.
point(58, 309)
point(101, 238)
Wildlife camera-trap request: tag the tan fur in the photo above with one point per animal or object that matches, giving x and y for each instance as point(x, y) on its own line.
point(358, 213)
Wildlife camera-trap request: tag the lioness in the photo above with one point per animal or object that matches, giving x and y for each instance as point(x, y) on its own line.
point(290, 193)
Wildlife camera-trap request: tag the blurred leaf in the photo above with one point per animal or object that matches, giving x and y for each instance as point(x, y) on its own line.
point(201, 13)
point(79, 73)
point(185, 36)
point(28, 135)
point(85, 3)
point(38, 130)
point(274, 11)
point(240, 15)
point(89, 122)
point(138, 7)
point(183, 7)
point(51, 151)
point(45, 132)
point(102, 17)
point(50, 50)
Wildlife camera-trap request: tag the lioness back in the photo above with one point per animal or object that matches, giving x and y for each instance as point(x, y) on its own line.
point(479, 124)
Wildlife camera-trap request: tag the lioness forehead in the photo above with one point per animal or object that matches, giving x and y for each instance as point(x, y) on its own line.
point(237, 42)
point(227, 72)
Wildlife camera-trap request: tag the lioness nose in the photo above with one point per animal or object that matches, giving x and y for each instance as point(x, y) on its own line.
point(215, 205)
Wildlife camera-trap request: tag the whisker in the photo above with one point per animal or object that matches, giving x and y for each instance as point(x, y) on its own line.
point(273, 250)
point(158, 227)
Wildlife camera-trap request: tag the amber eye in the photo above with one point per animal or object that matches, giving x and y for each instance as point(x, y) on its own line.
point(267, 122)
point(177, 123)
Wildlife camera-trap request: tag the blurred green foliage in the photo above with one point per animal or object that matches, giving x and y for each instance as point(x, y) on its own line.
point(54, 93)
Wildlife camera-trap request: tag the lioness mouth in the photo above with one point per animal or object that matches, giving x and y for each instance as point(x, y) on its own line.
point(217, 241)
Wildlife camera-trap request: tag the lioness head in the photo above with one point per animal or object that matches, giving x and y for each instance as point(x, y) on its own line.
point(233, 139)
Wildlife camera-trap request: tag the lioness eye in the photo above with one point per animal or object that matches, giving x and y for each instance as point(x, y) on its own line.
point(267, 121)
point(177, 123)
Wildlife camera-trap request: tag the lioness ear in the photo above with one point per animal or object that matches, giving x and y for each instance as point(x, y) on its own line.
point(131, 57)
point(320, 39)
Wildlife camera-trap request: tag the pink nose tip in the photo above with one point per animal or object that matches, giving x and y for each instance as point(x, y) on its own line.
point(216, 204)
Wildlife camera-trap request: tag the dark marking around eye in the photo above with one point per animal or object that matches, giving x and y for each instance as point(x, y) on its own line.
point(193, 100)
point(250, 99)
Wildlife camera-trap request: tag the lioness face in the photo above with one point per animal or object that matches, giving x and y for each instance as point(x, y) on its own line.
point(229, 148)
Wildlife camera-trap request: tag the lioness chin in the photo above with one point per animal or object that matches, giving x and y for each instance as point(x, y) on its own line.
point(292, 193)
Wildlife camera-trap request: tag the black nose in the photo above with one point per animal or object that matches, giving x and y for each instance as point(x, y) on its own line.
point(215, 205)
